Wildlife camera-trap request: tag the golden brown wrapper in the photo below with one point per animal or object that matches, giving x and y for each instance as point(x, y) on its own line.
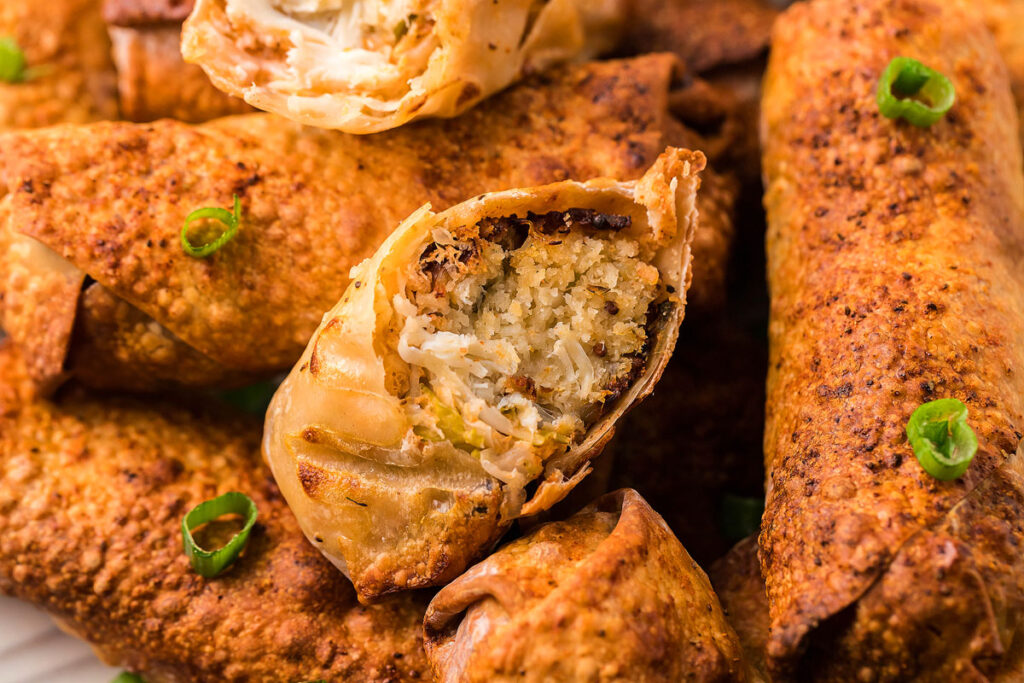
point(92, 494)
point(736, 577)
point(704, 34)
point(894, 269)
point(1005, 18)
point(112, 198)
point(607, 595)
point(153, 79)
point(66, 48)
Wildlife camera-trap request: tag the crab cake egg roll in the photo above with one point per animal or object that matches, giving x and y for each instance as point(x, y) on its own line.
point(364, 67)
point(894, 264)
point(606, 595)
point(481, 350)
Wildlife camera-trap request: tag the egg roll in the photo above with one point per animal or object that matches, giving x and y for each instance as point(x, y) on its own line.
point(153, 80)
point(894, 257)
point(97, 286)
point(705, 35)
point(92, 495)
point(606, 595)
point(365, 67)
point(736, 578)
point(69, 76)
point(481, 351)
point(1005, 18)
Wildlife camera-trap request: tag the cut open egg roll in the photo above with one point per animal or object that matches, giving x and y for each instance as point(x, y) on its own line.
point(96, 284)
point(364, 67)
point(475, 365)
point(606, 595)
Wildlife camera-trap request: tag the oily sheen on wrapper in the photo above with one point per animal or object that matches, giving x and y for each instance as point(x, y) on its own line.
point(894, 264)
point(366, 66)
point(396, 511)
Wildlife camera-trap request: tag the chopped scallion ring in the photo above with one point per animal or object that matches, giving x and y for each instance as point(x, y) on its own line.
point(210, 563)
point(230, 219)
point(941, 438)
point(910, 90)
point(12, 61)
point(128, 678)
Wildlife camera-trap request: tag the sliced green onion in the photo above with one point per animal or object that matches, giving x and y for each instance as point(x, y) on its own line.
point(741, 516)
point(230, 220)
point(941, 438)
point(210, 563)
point(12, 61)
point(910, 90)
point(128, 678)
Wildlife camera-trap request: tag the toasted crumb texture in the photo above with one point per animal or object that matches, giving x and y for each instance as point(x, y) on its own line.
point(537, 317)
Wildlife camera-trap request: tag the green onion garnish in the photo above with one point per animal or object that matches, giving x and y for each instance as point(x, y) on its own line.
point(128, 678)
point(12, 61)
point(941, 438)
point(741, 516)
point(229, 219)
point(910, 90)
point(210, 563)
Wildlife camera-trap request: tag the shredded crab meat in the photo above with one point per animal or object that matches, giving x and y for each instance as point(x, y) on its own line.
point(522, 345)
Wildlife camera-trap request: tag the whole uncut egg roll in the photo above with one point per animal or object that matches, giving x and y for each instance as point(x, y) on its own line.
point(894, 262)
point(96, 284)
point(481, 350)
point(364, 67)
point(606, 595)
point(57, 66)
point(1005, 18)
point(92, 495)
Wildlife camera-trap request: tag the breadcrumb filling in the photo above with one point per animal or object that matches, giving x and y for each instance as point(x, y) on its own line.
point(521, 331)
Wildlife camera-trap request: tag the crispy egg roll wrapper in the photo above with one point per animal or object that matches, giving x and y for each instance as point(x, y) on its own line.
point(704, 34)
point(404, 471)
point(894, 259)
point(736, 578)
point(606, 595)
point(364, 67)
point(92, 494)
point(1005, 18)
point(66, 46)
point(154, 81)
point(111, 200)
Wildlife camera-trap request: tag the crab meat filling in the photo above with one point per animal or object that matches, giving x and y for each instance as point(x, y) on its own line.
point(521, 333)
point(359, 47)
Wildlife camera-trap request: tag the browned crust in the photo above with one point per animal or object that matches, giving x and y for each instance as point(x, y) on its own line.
point(91, 498)
point(736, 577)
point(117, 346)
point(154, 81)
point(1005, 18)
point(137, 13)
point(894, 267)
point(112, 198)
point(66, 42)
point(704, 34)
point(606, 595)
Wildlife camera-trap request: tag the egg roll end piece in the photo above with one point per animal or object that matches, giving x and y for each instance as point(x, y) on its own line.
point(608, 594)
